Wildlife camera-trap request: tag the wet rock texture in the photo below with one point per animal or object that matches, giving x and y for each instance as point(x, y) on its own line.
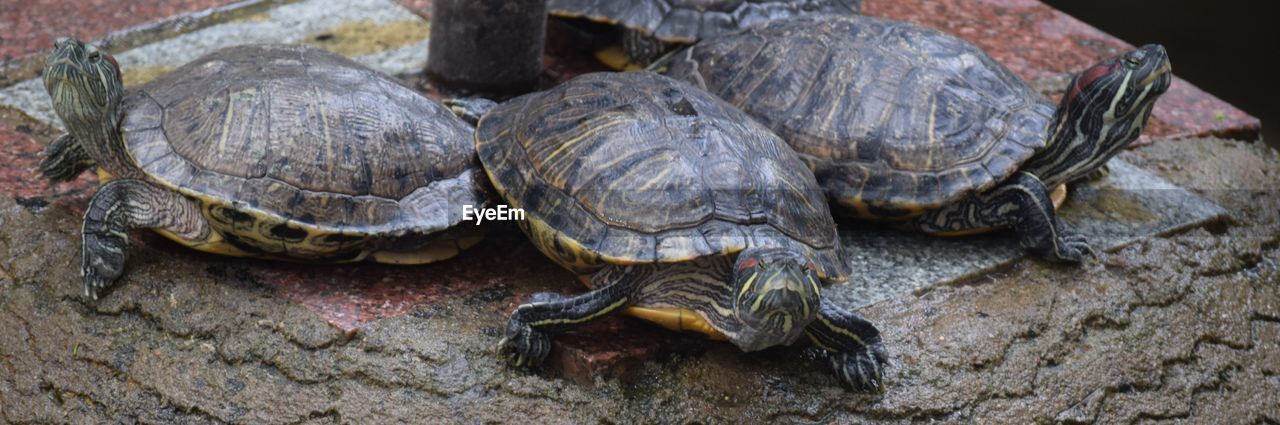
point(1182, 328)
point(1178, 328)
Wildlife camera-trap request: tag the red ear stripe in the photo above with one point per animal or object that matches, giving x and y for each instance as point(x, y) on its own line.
point(750, 262)
point(1087, 78)
point(112, 59)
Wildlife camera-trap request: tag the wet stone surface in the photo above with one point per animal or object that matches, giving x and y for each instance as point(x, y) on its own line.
point(1177, 327)
point(1181, 326)
point(1124, 205)
point(377, 33)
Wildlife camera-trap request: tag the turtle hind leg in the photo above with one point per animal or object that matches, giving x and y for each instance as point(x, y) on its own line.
point(527, 340)
point(64, 160)
point(853, 347)
point(121, 205)
point(1022, 203)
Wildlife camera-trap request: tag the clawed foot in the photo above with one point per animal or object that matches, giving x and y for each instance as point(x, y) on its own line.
point(1072, 248)
point(64, 160)
point(524, 346)
point(862, 370)
point(1069, 247)
point(102, 261)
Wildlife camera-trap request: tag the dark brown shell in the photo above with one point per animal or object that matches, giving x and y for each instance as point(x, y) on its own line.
point(303, 134)
point(687, 21)
point(636, 167)
point(888, 114)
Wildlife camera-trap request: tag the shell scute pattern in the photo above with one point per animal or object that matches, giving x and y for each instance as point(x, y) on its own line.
point(295, 151)
point(913, 118)
point(608, 173)
point(687, 21)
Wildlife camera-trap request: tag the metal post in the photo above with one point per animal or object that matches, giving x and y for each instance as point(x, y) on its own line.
point(487, 47)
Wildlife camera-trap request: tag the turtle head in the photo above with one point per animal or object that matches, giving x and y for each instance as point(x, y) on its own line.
point(1122, 87)
point(1103, 110)
point(83, 82)
point(775, 295)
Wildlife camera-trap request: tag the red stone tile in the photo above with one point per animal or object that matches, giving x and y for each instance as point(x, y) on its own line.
point(1039, 42)
point(29, 27)
point(20, 154)
point(352, 295)
point(613, 346)
point(348, 295)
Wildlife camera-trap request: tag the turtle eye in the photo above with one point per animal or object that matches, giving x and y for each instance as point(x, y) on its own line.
point(1132, 62)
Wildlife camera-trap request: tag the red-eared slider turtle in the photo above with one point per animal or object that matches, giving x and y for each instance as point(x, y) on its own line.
point(651, 27)
point(902, 122)
point(678, 208)
point(265, 150)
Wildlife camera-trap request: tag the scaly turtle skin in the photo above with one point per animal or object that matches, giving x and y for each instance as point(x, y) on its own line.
point(679, 208)
point(269, 150)
point(653, 27)
point(906, 123)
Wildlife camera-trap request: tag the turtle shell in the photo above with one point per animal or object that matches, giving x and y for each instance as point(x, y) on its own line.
point(893, 118)
point(638, 168)
point(296, 151)
point(687, 21)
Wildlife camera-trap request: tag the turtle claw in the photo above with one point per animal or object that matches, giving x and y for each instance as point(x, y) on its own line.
point(102, 261)
point(524, 346)
point(1073, 248)
point(862, 370)
point(93, 285)
point(1067, 247)
point(64, 160)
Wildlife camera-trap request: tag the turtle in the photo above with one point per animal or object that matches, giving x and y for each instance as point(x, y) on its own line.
point(649, 28)
point(674, 207)
point(910, 125)
point(275, 151)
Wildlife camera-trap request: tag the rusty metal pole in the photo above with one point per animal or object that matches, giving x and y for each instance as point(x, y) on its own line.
point(487, 47)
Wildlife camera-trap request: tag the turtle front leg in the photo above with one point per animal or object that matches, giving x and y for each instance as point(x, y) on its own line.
point(529, 330)
point(64, 159)
point(853, 347)
point(1022, 203)
point(121, 205)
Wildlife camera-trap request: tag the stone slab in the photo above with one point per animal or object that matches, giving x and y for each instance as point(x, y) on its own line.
point(29, 27)
point(32, 26)
point(1184, 327)
point(1127, 204)
point(392, 38)
point(377, 33)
